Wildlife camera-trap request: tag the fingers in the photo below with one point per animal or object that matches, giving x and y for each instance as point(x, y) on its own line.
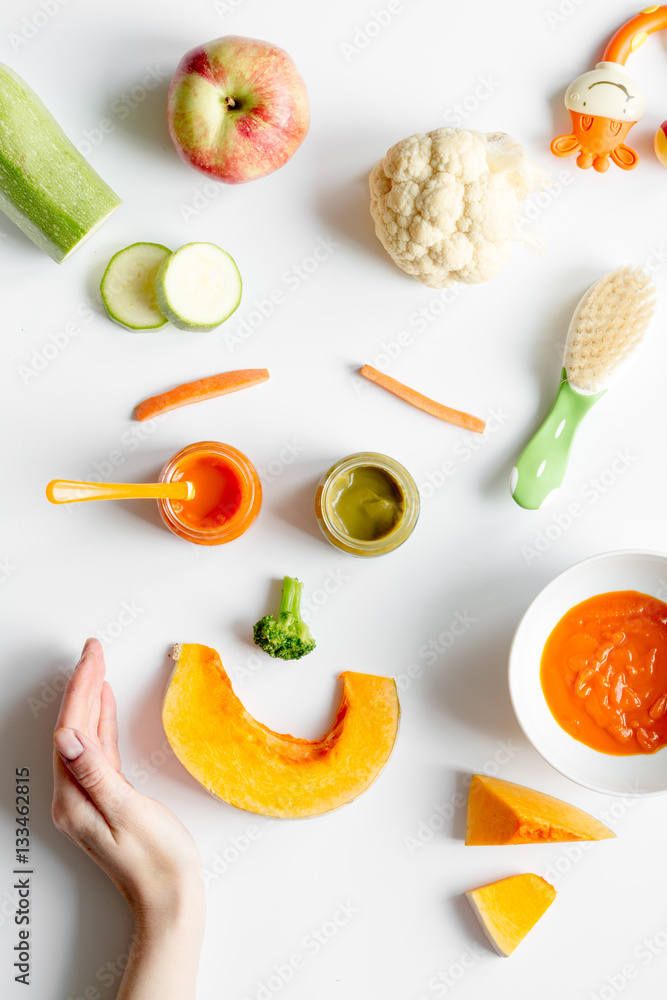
point(95, 652)
point(69, 800)
point(87, 785)
point(93, 772)
point(107, 730)
point(80, 708)
point(72, 810)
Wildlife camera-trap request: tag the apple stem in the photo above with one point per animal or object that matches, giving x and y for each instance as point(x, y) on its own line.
point(230, 102)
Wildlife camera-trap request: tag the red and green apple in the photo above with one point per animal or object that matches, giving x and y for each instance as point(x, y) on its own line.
point(237, 108)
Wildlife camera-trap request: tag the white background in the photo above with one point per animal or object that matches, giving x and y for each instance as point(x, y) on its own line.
point(494, 350)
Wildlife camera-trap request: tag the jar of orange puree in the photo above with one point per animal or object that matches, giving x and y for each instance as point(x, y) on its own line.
point(227, 493)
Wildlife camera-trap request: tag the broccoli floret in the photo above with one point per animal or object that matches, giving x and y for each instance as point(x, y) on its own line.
point(287, 636)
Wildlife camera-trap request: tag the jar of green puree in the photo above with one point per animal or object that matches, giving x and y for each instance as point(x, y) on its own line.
point(367, 504)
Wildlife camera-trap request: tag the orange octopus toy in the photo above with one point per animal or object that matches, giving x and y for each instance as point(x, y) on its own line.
point(605, 103)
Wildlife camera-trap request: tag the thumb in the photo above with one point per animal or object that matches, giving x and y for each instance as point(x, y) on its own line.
point(91, 769)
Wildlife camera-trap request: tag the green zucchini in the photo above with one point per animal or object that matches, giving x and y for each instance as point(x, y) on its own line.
point(198, 287)
point(46, 186)
point(128, 286)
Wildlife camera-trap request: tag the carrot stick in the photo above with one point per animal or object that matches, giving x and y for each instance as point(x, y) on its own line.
point(203, 388)
point(423, 402)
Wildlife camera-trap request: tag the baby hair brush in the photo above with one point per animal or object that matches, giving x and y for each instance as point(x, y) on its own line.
point(607, 327)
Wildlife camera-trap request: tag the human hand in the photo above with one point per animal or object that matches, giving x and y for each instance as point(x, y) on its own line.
point(137, 841)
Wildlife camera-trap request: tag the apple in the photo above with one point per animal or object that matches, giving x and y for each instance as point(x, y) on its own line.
point(237, 108)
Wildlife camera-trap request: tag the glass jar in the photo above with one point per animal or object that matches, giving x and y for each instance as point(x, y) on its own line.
point(367, 504)
point(227, 497)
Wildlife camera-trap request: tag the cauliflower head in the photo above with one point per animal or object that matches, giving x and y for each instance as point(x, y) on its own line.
point(446, 204)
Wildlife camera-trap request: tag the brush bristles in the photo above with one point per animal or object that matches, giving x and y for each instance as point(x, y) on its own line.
point(607, 327)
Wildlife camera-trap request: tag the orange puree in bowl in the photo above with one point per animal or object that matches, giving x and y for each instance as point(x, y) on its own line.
point(604, 673)
point(218, 491)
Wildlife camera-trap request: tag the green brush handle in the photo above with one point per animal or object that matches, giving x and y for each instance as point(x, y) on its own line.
point(541, 467)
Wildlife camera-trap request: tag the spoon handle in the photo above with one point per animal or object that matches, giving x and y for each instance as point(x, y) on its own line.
point(71, 491)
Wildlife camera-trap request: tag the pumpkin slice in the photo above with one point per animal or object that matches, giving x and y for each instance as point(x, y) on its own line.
point(244, 763)
point(508, 909)
point(500, 812)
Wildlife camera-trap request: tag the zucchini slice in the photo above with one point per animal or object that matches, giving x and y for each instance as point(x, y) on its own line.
point(198, 287)
point(128, 286)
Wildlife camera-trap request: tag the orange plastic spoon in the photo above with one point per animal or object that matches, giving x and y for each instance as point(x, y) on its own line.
point(71, 491)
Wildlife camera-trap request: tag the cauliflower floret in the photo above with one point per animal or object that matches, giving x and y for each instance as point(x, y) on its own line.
point(445, 204)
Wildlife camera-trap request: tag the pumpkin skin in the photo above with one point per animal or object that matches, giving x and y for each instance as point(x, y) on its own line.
point(500, 812)
point(246, 764)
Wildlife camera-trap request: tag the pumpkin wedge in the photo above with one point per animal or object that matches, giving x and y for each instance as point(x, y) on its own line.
point(500, 812)
point(242, 762)
point(508, 909)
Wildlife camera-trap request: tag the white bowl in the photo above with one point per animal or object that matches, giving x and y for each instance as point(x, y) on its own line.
point(643, 774)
